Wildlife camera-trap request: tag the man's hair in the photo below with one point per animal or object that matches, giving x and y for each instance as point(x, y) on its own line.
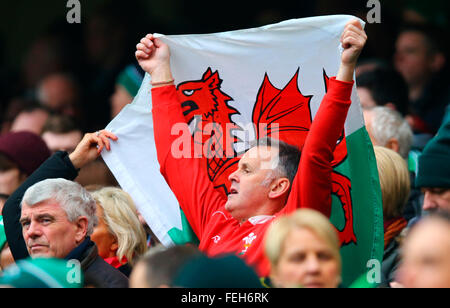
point(120, 215)
point(386, 124)
point(60, 124)
point(162, 264)
point(19, 105)
point(433, 36)
point(71, 196)
point(288, 156)
point(440, 215)
point(394, 181)
point(6, 164)
point(386, 86)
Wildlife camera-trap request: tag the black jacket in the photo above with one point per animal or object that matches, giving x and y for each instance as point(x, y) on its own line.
point(57, 166)
point(391, 262)
point(96, 271)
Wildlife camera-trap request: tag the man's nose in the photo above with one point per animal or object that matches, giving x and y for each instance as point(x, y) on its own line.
point(33, 230)
point(429, 202)
point(233, 177)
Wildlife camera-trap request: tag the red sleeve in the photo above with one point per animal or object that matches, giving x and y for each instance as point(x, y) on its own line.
point(311, 187)
point(184, 175)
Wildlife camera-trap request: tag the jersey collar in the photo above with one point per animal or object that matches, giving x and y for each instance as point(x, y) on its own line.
point(261, 219)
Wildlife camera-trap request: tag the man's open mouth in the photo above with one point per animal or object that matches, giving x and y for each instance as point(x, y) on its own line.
point(233, 191)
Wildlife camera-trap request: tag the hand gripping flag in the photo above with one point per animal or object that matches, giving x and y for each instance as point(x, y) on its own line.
point(241, 83)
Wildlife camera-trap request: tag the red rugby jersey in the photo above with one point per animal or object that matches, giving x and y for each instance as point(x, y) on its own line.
point(204, 207)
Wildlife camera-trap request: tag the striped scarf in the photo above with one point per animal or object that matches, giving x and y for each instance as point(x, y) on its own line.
point(392, 228)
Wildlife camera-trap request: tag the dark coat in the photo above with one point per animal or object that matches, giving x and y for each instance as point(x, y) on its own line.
point(391, 262)
point(97, 272)
point(58, 166)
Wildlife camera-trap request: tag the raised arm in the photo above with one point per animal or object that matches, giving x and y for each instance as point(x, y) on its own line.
point(353, 39)
point(312, 185)
point(185, 175)
point(154, 58)
point(59, 165)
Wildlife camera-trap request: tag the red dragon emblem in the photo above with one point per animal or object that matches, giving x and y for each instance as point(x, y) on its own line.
point(204, 100)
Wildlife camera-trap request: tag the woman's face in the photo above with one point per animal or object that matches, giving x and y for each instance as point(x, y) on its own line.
point(307, 261)
point(105, 241)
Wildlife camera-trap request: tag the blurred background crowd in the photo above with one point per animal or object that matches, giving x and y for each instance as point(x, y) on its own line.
point(48, 65)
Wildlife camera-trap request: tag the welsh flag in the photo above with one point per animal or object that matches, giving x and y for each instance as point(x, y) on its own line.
point(240, 83)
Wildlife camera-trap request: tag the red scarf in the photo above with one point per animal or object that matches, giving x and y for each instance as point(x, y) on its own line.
point(114, 261)
point(392, 228)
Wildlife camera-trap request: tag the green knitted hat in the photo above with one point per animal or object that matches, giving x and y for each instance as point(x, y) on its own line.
point(434, 163)
point(222, 272)
point(130, 78)
point(2, 234)
point(42, 273)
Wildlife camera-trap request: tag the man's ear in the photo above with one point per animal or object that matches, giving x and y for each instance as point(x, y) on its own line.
point(81, 226)
point(279, 187)
point(438, 62)
point(393, 145)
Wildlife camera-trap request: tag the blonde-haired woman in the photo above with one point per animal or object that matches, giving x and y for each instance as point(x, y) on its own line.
point(394, 181)
point(303, 250)
point(119, 235)
point(395, 188)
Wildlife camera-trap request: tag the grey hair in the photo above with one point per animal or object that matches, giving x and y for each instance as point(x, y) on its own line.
point(286, 163)
point(387, 124)
point(71, 196)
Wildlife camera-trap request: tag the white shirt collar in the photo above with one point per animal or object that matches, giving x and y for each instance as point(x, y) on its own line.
point(255, 220)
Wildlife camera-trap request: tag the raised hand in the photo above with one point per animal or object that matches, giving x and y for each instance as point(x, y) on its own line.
point(353, 39)
point(154, 57)
point(90, 147)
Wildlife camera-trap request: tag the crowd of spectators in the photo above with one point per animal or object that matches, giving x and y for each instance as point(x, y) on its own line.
point(63, 91)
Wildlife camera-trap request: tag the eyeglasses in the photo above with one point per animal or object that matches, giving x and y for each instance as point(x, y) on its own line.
point(4, 196)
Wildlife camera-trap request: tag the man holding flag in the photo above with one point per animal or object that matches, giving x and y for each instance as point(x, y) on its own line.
point(266, 183)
